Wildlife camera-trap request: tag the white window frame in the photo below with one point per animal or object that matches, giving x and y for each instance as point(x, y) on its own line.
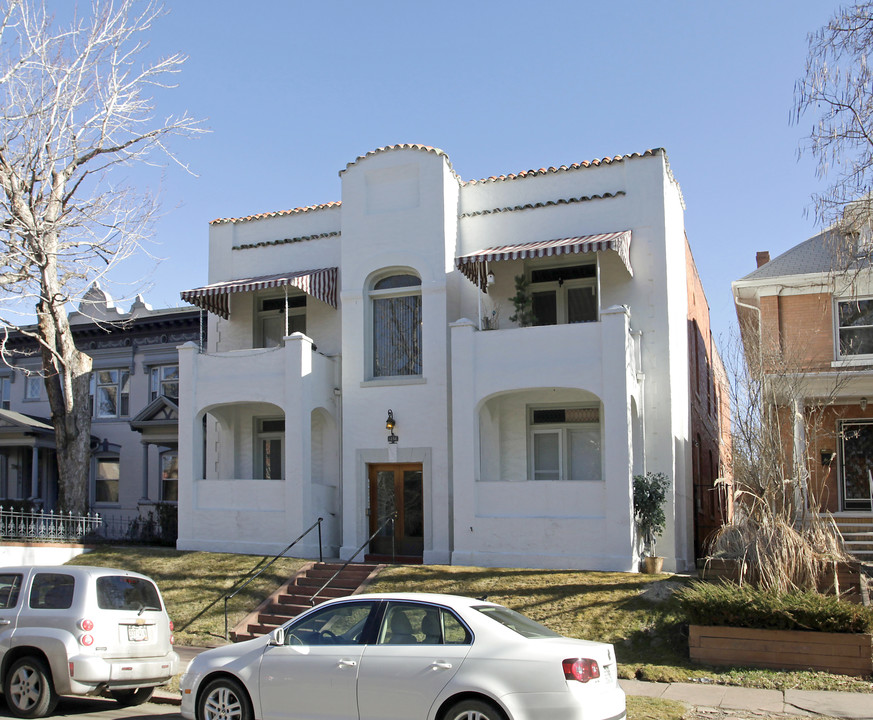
point(397, 292)
point(158, 381)
point(837, 327)
point(562, 288)
point(33, 385)
point(122, 399)
point(5, 392)
point(103, 458)
point(293, 315)
point(261, 437)
point(173, 452)
point(562, 429)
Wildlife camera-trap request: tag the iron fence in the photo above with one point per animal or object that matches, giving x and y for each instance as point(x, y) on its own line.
point(46, 526)
point(158, 526)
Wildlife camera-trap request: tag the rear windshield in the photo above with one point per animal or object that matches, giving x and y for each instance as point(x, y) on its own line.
point(117, 592)
point(516, 621)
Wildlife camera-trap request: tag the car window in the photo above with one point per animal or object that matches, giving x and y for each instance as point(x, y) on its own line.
point(118, 592)
point(51, 591)
point(420, 624)
point(521, 624)
point(10, 585)
point(334, 625)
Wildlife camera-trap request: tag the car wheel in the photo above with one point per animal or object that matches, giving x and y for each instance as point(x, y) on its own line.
point(224, 699)
point(473, 710)
point(129, 698)
point(28, 689)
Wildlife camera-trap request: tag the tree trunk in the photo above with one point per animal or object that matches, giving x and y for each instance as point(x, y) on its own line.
point(68, 383)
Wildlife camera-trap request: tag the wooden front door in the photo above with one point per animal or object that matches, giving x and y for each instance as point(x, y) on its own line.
point(396, 488)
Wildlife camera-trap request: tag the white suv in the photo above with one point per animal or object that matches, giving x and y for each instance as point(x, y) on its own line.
point(74, 630)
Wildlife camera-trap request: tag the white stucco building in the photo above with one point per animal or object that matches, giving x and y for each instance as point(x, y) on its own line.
point(513, 446)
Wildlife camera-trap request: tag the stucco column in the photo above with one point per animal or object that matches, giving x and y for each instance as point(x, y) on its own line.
point(618, 366)
point(297, 460)
point(34, 473)
point(464, 431)
point(801, 469)
point(145, 473)
point(190, 443)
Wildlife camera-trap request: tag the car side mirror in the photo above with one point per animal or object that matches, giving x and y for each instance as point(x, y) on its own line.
point(277, 636)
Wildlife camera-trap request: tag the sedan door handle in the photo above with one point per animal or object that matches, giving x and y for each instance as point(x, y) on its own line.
point(437, 665)
point(5, 622)
point(348, 663)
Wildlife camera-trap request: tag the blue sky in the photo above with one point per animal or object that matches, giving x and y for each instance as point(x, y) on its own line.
point(292, 91)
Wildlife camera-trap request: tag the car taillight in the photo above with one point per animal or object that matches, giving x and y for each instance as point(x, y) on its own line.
point(86, 625)
point(581, 669)
point(86, 640)
point(172, 638)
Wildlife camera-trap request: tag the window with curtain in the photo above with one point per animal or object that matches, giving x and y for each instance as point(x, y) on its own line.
point(396, 312)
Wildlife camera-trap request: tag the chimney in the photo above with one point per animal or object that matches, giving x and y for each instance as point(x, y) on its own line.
point(762, 257)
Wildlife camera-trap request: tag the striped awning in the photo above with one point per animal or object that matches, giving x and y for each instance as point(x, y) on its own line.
point(472, 265)
point(320, 284)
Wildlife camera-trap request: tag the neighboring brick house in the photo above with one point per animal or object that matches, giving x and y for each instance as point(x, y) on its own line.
point(134, 426)
point(809, 314)
point(363, 359)
point(710, 419)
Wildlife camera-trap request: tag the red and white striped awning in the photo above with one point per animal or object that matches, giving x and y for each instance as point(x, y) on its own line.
point(472, 265)
point(320, 284)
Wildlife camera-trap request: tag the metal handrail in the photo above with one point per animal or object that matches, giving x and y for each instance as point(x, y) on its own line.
point(391, 519)
point(299, 538)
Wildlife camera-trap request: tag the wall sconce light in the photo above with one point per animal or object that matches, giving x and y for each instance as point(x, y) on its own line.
point(389, 425)
point(489, 278)
point(863, 404)
point(827, 457)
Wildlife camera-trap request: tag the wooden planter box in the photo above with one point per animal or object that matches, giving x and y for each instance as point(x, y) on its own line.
point(841, 653)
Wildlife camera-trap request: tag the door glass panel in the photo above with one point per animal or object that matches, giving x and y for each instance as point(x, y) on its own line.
point(857, 465)
point(385, 506)
point(545, 308)
point(584, 453)
point(581, 305)
point(413, 520)
point(547, 462)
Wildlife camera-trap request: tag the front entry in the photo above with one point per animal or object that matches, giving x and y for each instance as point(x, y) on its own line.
point(396, 488)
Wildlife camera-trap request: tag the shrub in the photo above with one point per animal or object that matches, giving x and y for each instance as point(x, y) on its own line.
point(746, 606)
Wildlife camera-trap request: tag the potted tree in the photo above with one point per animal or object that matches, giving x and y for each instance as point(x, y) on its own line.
point(650, 493)
point(522, 302)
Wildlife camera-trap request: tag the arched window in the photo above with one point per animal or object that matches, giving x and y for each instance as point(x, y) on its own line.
point(395, 303)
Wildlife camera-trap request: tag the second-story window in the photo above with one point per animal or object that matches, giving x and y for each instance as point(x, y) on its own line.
point(33, 387)
point(396, 311)
point(271, 326)
point(563, 295)
point(110, 392)
point(855, 327)
point(164, 381)
point(5, 392)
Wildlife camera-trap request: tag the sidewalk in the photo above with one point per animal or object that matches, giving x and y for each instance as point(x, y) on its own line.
point(853, 706)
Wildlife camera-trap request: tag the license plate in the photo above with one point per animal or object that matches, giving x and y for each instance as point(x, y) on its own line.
point(137, 633)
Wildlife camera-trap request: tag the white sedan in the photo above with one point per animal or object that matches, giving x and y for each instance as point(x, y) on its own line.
point(406, 656)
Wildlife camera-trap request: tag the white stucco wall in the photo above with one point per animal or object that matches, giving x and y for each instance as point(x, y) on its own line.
point(405, 210)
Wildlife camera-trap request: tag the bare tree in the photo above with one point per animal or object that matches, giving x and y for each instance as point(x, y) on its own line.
point(780, 537)
point(837, 89)
point(74, 106)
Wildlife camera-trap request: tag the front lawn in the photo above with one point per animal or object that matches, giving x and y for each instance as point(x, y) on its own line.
point(635, 612)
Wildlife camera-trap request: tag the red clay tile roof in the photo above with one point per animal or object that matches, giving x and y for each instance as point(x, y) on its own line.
point(401, 146)
point(278, 213)
point(575, 166)
point(436, 151)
